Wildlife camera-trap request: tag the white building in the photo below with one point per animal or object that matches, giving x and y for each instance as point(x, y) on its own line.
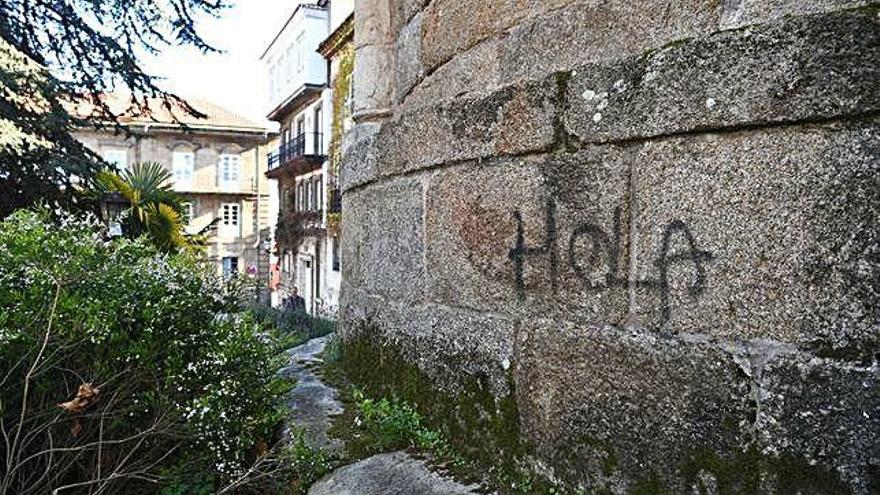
point(307, 254)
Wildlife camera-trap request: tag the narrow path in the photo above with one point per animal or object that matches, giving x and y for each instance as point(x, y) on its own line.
point(311, 401)
point(313, 404)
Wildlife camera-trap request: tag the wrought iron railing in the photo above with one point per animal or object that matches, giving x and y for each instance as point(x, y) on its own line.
point(310, 143)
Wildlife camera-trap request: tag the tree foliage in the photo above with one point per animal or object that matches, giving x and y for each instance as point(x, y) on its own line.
point(58, 51)
point(39, 158)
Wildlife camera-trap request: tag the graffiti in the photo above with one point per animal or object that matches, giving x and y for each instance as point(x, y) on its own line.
point(607, 249)
point(520, 251)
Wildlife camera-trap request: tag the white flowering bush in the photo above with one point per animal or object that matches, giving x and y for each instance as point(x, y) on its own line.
point(124, 370)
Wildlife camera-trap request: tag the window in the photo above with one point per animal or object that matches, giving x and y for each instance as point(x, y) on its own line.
point(279, 77)
point(189, 211)
point(182, 165)
point(289, 70)
point(300, 51)
point(319, 182)
point(300, 125)
point(228, 171)
point(349, 98)
point(292, 199)
point(316, 186)
point(319, 126)
point(116, 157)
point(230, 218)
point(335, 254)
point(230, 266)
point(272, 89)
point(300, 137)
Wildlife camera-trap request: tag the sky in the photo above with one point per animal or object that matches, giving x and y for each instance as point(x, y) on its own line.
point(233, 79)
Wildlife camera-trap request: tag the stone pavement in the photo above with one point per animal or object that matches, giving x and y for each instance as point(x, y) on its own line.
point(311, 401)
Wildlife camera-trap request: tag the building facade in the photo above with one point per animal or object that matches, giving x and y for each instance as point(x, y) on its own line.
point(302, 168)
point(218, 163)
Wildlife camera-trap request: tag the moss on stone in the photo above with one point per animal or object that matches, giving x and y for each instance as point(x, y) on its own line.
point(584, 453)
point(874, 479)
point(474, 420)
point(565, 142)
point(750, 472)
point(482, 428)
point(650, 485)
point(485, 430)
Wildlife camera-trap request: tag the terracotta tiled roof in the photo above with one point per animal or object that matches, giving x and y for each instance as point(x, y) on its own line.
point(216, 116)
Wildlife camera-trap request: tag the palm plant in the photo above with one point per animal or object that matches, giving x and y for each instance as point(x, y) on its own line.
point(155, 209)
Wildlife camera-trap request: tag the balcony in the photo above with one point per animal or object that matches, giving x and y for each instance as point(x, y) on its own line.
point(300, 155)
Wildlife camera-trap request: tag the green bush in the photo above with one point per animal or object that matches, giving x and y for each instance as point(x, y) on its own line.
point(177, 378)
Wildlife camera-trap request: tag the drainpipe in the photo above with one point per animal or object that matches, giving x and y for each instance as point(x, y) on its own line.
point(257, 188)
point(257, 237)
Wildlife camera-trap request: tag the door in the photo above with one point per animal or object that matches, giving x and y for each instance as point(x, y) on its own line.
point(305, 281)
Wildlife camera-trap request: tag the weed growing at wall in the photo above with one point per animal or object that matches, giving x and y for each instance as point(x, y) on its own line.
point(393, 424)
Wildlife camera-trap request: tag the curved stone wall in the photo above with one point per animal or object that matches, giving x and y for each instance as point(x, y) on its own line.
point(653, 224)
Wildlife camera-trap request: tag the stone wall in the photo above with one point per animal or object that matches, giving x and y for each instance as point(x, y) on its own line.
point(653, 223)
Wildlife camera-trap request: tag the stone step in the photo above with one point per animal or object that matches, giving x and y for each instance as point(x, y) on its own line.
point(395, 473)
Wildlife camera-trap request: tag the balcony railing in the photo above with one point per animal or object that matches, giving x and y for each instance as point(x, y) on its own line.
point(307, 144)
